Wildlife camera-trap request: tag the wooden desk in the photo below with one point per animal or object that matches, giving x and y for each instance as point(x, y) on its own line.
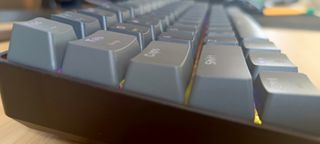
point(13, 132)
point(4, 46)
point(302, 47)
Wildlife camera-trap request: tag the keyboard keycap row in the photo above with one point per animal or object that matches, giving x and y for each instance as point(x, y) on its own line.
point(283, 97)
point(42, 42)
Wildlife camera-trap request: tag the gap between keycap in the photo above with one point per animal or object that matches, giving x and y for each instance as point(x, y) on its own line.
point(256, 120)
point(198, 54)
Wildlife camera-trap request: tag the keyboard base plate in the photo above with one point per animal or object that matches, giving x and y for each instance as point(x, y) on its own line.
point(94, 112)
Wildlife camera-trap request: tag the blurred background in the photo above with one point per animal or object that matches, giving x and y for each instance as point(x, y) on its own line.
point(21, 10)
point(31, 4)
point(38, 4)
point(301, 14)
point(267, 7)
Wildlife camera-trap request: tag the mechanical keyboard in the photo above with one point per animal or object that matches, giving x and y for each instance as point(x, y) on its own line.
point(157, 71)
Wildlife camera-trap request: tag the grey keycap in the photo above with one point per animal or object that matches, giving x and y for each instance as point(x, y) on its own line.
point(105, 18)
point(221, 40)
point(192, 14)
point(142, 33)
point(219, 13)
point(167, 13)
point(194, 23)
point(189, 27)
point(179, 37)
point(82, 24)
point(147, 7)
point(214, 45)
point(178, 27)
point(122, 13)
point(178, 12)
point(219, 24)
point(224, 33)
point(259, 45)
point(247, 27)
point(217, 7)
point(213, 28)
point(223, 83)
point(219, 20)
point(134, 8)
point(165, 20)
point(261, 61)
point(40, 43)
point(155, 25)
point(137, 7)
point(288, 99)
point(218, 16)
point(102, 57)
point(162, 70)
